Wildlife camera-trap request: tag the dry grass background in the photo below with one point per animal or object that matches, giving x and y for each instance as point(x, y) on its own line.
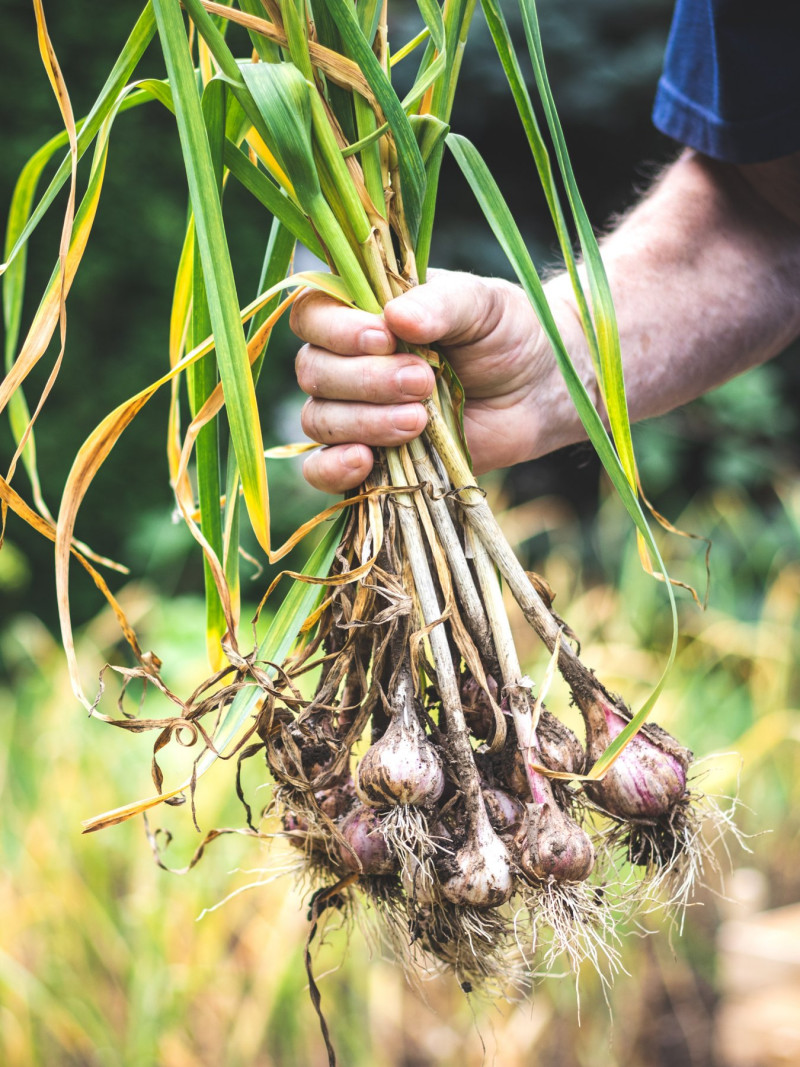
point(104, 959)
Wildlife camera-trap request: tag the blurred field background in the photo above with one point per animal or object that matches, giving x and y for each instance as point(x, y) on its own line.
point(104, 959)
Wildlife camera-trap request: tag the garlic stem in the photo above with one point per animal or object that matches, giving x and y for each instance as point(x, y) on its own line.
point(584, 685)
point(483, 877)
point(447, 682)
point(508, 659)
point(469, 600)
point(557, 846)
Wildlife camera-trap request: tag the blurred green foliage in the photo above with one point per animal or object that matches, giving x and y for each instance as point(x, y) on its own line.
point(604, 59)
point(118, 309)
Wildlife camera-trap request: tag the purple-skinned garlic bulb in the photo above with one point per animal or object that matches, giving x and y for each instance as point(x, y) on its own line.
point(364, 849)
point(506, 813)
point(559, 748)
point(554, 846)
point(478, 711)
point(337, 800)
point(648, 778)
point(403, 767)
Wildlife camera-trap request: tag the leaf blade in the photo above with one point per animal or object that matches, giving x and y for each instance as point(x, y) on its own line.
point(234, 367)
point(505, 229)
point(412, 170)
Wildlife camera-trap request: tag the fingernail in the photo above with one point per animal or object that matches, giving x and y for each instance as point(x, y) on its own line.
point(375, 343)
point(405, 417)
point(352, 458)
point(414, 380)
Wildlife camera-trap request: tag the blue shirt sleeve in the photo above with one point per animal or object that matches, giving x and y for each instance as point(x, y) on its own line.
point(731, 81)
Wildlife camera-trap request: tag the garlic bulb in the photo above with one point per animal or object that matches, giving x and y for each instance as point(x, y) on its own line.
point(337, 800)
point(478, 711)
point(559, 748)
point(506, 813)
point(403, 767)
point(556, 846)
point(648, 778)
point(366, 850)
point(418, 883)
point(481, 869)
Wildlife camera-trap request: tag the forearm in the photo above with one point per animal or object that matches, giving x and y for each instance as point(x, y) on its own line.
point(705, 274)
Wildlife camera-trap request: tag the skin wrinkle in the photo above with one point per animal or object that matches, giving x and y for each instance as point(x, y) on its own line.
point(367, 389)
point(492, 317)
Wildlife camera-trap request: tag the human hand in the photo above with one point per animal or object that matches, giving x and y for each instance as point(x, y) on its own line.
point(365, 390)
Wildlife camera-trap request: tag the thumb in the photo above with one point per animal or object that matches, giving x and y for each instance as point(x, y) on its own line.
point(453, 308)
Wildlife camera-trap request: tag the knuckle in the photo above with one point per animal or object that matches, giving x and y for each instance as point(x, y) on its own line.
point(325, 425)
point(298, 313)
point(491, 309)
point(306, 370)
point(312, 473)
point(308, 419)
point(303, 313)
point(361, 425)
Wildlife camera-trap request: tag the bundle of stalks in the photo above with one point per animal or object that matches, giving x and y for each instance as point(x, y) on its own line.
point(425, 773)
point(452, 811)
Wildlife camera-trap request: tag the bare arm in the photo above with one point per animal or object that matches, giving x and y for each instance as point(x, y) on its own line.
point(705, 273)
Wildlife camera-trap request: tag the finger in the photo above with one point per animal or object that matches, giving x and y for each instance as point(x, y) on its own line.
point(337, 469)
point(325, 322)
point(452, 308)
point(333, 422)
point(371, 379)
